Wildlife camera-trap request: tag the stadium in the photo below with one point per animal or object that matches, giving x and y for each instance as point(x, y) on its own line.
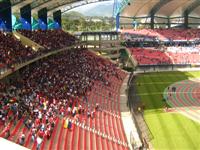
point(128, 82)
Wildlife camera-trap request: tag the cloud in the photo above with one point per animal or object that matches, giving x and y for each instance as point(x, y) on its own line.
point(96, 9)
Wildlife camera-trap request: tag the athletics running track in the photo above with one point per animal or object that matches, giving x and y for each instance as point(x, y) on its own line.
point(186, 99)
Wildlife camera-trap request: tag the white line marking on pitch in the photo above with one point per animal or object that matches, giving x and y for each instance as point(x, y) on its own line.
point(156, 93)
point(144, 83)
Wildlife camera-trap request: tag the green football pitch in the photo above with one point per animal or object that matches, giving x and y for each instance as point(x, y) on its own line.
point(171, 131)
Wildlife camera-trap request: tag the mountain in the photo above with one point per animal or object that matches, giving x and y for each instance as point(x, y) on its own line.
point(73, 15)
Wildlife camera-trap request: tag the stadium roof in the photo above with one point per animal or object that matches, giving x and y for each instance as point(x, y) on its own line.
point(51, 5)
point(169, 8)
point(137, 8)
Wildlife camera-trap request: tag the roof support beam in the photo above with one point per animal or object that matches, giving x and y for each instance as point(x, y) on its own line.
point(61, 4)
point(168, 22)
point(71, 5)
point(185, 15)
point(22, 3)
point(192, 7)
point(37, 5)
point(152, 22)
point(157, 7)
point(188, 10)
point(16, 2)
point(73, 2)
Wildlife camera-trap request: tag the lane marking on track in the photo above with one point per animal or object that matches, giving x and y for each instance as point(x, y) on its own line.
point(185, 100)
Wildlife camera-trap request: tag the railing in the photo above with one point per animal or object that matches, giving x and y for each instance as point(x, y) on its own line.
point(134, 103)
point(165, 67)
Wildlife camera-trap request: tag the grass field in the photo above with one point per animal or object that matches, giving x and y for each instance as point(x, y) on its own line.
point(171, 131)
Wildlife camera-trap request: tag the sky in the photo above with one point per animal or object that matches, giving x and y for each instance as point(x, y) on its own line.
point(96, 9)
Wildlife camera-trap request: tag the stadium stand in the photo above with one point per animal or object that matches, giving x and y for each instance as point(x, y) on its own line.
point(12, 51)
point(167, 46)
point(47, 38)
point(75, 90)
point(185, 58)
point(151, 56)
point(57, 95)
point(167, 34)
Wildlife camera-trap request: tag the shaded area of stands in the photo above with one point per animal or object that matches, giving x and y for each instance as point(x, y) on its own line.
point(12, 51)
point(50, 39)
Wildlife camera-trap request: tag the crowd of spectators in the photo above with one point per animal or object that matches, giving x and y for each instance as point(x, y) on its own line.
point(179, 34)
point(50, 89)
point(50, 39)
point(163, 46)
point(12, 51)
point(166, 34)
